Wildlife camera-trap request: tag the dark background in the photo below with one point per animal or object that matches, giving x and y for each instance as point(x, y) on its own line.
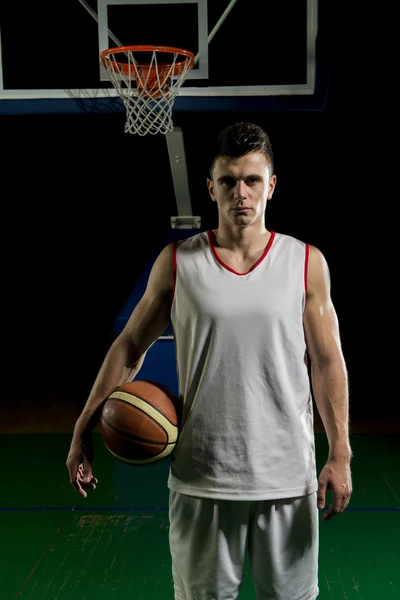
point(84, 205)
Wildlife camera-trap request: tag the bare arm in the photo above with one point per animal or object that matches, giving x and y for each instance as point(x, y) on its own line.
point(122, 362)
point(147, 322)
point(330, 384)
point(328, 369)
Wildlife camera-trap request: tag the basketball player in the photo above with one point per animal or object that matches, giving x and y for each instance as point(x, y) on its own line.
point(247, 306)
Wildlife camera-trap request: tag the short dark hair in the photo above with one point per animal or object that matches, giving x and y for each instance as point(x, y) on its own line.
point(240, 139)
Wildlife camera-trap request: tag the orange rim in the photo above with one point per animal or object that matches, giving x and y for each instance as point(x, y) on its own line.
point(127, 70)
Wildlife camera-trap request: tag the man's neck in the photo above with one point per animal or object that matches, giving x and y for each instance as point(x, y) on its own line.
point(243, 239)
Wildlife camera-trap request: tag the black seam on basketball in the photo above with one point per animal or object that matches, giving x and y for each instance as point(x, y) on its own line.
point(143, 400)
point(147, 415)
point(136, 437)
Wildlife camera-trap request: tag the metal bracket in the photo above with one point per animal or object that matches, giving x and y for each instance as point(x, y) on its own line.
point(186, 222)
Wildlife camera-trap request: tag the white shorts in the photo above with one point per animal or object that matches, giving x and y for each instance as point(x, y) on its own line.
point(209, 539)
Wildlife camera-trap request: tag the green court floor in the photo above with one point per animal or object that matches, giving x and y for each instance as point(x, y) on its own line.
point(113, 545)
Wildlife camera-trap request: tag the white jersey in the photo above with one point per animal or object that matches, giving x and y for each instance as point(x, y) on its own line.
point(247, 425)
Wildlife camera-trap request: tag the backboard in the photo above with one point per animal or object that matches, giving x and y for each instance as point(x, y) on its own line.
point(250, 55)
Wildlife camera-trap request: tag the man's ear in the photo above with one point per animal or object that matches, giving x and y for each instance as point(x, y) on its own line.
point(210, 186)
point(272, 184)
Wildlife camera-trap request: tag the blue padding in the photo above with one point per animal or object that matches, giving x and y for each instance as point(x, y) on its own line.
point(160, 365)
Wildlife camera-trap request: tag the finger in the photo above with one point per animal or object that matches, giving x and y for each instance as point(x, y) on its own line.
point(328, 514)
point(345, 503)
point(337, 503)
point(88, 485)
point(85, 483)
point(87, 473)
point(81, 491)
point(321, 496)
point(73, 478)
point(87, 476)
point(79, 488)
point(82, 480)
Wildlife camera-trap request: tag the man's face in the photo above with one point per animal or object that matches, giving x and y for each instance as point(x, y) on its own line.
point(241, 187)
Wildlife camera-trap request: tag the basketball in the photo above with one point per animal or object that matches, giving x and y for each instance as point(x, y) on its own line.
point(139, 422)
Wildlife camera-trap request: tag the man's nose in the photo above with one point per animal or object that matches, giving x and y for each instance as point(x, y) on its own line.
point(240, 190)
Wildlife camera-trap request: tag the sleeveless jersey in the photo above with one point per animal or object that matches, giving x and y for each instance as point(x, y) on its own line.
point(247, 430)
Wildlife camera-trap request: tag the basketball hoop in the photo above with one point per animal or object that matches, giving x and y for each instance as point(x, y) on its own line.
point(147, 86)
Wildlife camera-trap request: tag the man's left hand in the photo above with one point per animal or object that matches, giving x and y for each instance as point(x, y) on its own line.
point(335, 477)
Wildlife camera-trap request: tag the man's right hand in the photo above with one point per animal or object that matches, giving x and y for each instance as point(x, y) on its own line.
point(79, 464)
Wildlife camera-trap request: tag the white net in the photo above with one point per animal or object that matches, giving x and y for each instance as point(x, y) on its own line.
point(148, 90)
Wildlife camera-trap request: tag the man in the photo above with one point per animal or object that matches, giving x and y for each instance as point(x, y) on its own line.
point(247, 306)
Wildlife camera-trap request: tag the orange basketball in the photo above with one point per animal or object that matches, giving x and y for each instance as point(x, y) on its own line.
point(139, 422)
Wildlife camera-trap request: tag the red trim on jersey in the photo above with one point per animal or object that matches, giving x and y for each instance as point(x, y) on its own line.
point(173, 272)
point(306, 267)
point(264, 254)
